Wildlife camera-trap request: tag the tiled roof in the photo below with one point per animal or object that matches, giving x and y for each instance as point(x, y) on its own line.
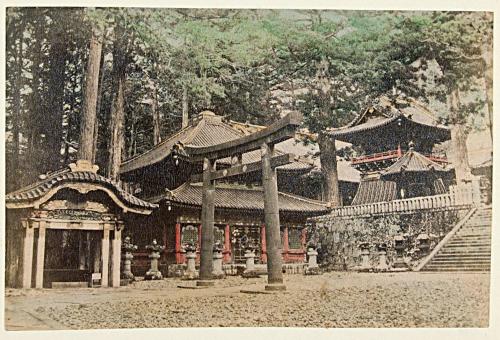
point(412, 161)
point(36, 190)
point(238, 197)
point(384, 113)
point(204, 130)
point(309, 152)
point(371, 191)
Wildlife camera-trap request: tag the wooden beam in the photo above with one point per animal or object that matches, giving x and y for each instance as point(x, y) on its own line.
point(245, 168)
point(281, 130)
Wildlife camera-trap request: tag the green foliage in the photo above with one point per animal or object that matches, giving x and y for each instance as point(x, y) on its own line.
point(329, 64)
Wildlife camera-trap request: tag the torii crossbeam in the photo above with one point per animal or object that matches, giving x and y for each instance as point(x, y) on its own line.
point(264, 140)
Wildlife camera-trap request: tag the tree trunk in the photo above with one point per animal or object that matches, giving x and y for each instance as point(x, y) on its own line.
point(98, 110)
point(487, 54)
point(156, 116)
point(185, 113)
point(13, 182)
point(458, 140)
point(116, 145)
point(87, 125)
point(54, 126)
point(35, 110)
point(328, 159)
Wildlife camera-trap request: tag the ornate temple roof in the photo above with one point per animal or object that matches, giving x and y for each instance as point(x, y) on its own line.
point(77, 173)
point(384, 114)
point(206, 129)
point(240, 197)
point(412, 162)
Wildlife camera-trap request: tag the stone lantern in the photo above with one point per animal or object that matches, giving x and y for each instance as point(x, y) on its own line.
point(127, 249)
point(217, 261)
point(399, 247)
point(250, 259)
point(154, 254)
point(365, 257)
point(424, 243)
point(190, 272)
point(382, 253)
point(312, 264)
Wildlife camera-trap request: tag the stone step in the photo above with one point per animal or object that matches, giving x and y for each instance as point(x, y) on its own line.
point(471, 241)
point(460, 260)
point(474, 238)
point(457, 269)
point(472, 252)
point(463, 255)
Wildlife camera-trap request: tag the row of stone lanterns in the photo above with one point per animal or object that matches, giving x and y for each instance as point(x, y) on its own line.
point(400, 247)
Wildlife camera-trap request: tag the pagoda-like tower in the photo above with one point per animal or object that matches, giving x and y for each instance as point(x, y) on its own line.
point(385, 133)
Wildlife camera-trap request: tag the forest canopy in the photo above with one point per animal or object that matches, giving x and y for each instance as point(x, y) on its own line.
point(247, 65)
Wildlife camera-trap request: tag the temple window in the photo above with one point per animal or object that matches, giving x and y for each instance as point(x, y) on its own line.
point(295, 238)
point(189, 235)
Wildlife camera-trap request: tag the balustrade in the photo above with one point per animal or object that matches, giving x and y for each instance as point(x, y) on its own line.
point(459, 196)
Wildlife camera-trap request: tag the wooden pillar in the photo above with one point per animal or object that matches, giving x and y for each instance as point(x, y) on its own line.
point(27, 254)
point(272, 219)
point(40, 255)
point(263, 250)
point(207, 221)
point(105, 257)
point(115, 261)
point(178, 255)
point(285, 244)
point(227, 244)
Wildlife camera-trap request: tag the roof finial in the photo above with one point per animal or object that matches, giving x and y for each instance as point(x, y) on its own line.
point(411, 145)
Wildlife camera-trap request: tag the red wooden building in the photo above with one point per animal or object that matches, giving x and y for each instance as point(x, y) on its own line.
point(160, 175)
point(396, 142)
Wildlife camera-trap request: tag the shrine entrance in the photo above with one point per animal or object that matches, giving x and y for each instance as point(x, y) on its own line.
point(72, 256)
point(67, 228)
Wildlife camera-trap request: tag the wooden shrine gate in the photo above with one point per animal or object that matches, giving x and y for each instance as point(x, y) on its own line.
point(264, 140)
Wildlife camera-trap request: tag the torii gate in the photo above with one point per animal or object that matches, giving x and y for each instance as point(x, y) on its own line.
point(264, 140)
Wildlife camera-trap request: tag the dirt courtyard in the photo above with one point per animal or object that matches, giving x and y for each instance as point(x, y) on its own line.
point(329, 300)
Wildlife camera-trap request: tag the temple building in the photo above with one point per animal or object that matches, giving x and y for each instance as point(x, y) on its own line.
point(161, 175)
point(66, 229)
point(396, 144)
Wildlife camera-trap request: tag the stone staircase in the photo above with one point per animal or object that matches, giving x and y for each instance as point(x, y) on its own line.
point(469, 249)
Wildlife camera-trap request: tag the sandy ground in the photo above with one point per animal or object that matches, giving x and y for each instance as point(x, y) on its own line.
point(328, 300)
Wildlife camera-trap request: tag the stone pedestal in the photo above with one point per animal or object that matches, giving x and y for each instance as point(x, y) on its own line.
point(127, 267)
point(382, 266)
point(218, 273)
point(365, 260)
point(153, 273)
point(127, 257)
point(190, 272)
point(250, 261)
point(312, 264)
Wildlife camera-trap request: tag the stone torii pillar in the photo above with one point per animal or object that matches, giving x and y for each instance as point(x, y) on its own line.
point(207, 224)
point(264, 140)
point(272, 219)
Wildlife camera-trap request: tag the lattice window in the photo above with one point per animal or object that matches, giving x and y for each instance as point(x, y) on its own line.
point(219, 235)
point(189, 235)
point(294, 238)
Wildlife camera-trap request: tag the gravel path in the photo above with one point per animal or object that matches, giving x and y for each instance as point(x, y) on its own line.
point(329, 300)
